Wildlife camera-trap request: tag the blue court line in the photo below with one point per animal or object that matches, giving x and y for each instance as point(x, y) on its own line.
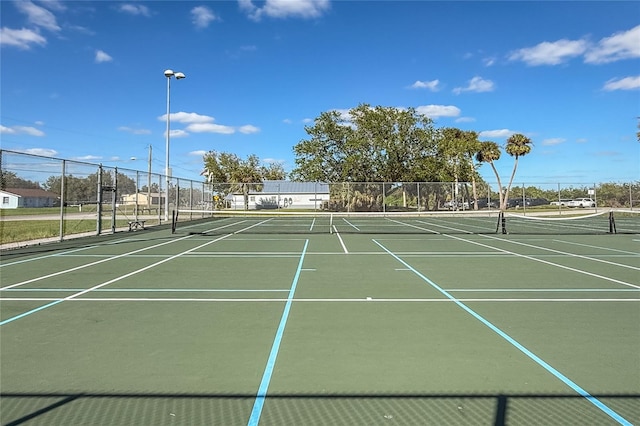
point(271, 362)
point(604, 408)
point(24, 314)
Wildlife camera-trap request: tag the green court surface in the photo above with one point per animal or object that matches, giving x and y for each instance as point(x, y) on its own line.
point(320, 328)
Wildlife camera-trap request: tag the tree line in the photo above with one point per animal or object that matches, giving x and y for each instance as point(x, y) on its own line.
point(377, 144)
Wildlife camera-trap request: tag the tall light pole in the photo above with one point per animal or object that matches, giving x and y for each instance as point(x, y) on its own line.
point(178, 76)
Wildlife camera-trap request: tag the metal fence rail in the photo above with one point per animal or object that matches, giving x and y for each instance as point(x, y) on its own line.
point(75, 198)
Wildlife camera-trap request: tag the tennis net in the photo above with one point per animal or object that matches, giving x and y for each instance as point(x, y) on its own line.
point(220, 222)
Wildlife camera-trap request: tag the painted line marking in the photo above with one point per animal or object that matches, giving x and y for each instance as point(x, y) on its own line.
point(266, 299)
point(596, 402)
point(564, 253)
point(17, 262)
point(536, 259)
point(80, 293)
point(43, 277)
point(258, 404)
point(344, 247)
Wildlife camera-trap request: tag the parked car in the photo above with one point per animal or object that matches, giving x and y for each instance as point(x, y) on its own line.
point(582, 203)
point(562, 202)
point(456, 205)
point(482, 203)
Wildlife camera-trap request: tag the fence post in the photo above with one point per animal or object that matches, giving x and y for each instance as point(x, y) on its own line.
point(99, 202)
point(62, 201)
point(135, 215)
point(114, 196)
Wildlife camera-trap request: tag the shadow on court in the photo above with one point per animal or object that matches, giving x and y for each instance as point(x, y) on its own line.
point(312, 409)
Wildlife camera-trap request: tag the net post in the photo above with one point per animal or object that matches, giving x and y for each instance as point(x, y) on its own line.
point(502, 223)
point(174, 220)
point(612, 223)
point(331, 223)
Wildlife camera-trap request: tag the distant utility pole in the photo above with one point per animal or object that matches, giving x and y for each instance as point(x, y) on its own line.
point(149, 181)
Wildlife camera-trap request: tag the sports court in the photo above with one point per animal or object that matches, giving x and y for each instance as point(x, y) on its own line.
point(326, 320)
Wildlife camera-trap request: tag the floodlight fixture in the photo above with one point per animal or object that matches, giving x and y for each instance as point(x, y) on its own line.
point(178, 75)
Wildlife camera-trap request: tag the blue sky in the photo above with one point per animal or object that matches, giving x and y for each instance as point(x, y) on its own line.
point(84, 80)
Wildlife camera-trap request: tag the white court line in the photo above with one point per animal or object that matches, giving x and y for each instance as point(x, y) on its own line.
point(43, 277)
point(564, 253)
point(344, 247)
point(150, 290)
point(598, 247)
point(17, 262)
point(350, 224)
point(80, 293)
point(535, 259)
point(544, 290)
point(74, 298)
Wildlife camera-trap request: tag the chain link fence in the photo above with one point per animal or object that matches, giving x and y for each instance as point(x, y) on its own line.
point(64, 198)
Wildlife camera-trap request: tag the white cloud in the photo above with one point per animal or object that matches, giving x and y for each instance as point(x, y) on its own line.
point(102, 56)
point(307, 120)
point(489, 61)
point(430, 85)
point(581, 140)
point(201, 16)
point(627, 83)
point(198, 153)
point(93, 157)
point(23, 38)
point(435, 111)
point(622, 45)
point(135, 9)
point(305, 9)
point(54, 5)
point(187, 118)
point(553, 141)
point(45, 152)
point(177, 133)
point(210, 128)
point(287, 121)
point(38, 16)
point(134, 131)
point(248, 129)
point(344, 114)
point(502, 133)
point(477, 85)
point(21, 130)
point(550, 53)
point(197, 123)
point(465, 120)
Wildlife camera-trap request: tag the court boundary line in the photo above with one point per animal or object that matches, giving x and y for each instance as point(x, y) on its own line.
point(564, 253)
point(323, 300)
point(536, 259)
point(633, 254)
point(248, 290)
point(579, 390)
point(32, 311)
point(261, 395)
point(118, 256)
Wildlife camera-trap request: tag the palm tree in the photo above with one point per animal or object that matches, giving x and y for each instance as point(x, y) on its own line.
point(488, 153)
point(518, 145)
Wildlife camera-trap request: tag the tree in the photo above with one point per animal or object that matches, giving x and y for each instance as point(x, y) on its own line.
point(381, 144)
point(274, 171)
point(456, 151)
point(12, 180)
point(518, 145)
point(367, 146)
point(226, 168)
point(489, 153)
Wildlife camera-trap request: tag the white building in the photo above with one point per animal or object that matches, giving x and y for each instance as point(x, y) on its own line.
point(282, 194)
point(12, 198)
